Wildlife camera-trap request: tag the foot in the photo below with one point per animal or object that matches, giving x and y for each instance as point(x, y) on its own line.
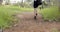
point(36, 14)
point(35, 17)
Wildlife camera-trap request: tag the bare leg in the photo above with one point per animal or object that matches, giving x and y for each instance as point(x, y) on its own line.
point(35, 13)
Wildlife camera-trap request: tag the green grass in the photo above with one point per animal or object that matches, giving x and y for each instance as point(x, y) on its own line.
point(6, 13)
point(51, 13)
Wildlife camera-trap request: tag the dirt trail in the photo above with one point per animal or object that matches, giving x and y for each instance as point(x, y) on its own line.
point(26, 23)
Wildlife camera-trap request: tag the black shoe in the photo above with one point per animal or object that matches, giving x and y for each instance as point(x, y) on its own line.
point(35, 17)
point(36, 14)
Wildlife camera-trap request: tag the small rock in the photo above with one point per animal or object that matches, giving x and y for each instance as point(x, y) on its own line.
point(1, 30)
point(15, 25)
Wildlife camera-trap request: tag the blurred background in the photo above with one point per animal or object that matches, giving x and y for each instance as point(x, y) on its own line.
point(29, 3)
point(50, 9)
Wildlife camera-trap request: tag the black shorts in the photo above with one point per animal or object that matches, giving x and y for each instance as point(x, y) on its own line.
point(36, 4)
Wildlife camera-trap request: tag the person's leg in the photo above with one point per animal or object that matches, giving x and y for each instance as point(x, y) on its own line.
point(35, 9)
point(35, 13)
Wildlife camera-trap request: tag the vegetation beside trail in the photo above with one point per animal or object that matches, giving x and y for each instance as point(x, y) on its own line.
point(51, 13)
point(6, 12)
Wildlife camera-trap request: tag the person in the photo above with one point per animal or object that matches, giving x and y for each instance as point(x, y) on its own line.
point(35, 5)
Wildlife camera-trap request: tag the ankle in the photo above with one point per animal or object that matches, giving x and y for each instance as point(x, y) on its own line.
point(36, 14)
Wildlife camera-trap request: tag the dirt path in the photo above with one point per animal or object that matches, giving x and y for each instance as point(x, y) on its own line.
point(26, 23)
